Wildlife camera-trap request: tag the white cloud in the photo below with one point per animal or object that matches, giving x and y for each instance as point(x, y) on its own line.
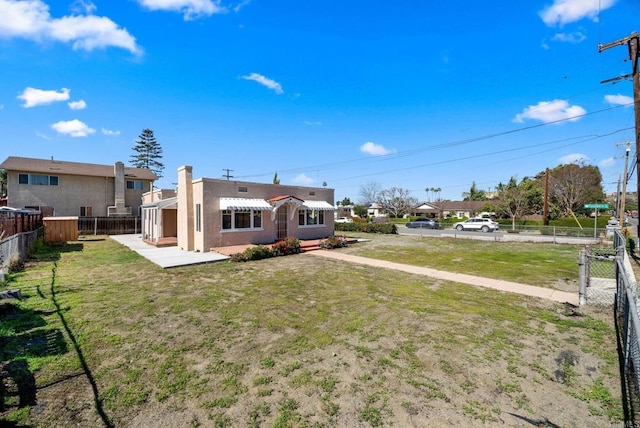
point(74, 128)
point(312, 123)
point(374, 149)
point(30, 19)
point(33, 97)
point(191, 9)
point(618, 100)
point(83, 6)
point(566, 11)
point(265, 81)
point(110, 132)
point(303, 179)
point(574, 38)
point(550, 112)
point(77, 105)
point(607, 163)
point(574, 158)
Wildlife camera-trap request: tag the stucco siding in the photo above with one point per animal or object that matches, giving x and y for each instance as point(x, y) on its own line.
point(71, 193)
point(208, 192)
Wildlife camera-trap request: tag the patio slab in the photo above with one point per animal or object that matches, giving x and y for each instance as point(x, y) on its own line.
point(166, 257)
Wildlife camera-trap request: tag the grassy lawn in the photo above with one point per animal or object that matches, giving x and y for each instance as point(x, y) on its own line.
point(105, 338)
point(543, 265)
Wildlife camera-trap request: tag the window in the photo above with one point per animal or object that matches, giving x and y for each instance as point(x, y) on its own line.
point(86, 212)
point(241, 219)
point(198, 217)
point(310, 217)
point(38, 179)
point(135, 185)
point(243, 189)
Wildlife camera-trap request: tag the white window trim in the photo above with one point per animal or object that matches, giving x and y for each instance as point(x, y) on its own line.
point(311, 226)
point(233, 229)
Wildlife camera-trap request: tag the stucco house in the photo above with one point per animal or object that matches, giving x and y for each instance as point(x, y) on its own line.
point(63, 188)
point(449, 209)
point(208, 213)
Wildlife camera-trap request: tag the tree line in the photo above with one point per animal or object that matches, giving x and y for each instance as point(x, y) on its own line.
point(569, 188)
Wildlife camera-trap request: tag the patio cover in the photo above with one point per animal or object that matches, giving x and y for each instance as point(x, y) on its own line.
point(244, 204)
point(318, 205)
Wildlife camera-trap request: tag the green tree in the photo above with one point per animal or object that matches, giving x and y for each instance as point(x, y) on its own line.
point(148, 153)
point(474, 194)
point(276, 180)
point(360, 210)
point(513, 199)
point(3, 182)
point(346, 201)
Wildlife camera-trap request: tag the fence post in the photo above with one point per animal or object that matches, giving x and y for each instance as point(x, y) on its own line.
point(582, 269)
point(95, 226)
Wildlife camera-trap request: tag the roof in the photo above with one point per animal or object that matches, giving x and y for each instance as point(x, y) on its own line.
point(50, 166)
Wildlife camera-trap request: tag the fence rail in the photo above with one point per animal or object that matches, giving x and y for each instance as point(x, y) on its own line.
point(108, 225)
point(17, 248)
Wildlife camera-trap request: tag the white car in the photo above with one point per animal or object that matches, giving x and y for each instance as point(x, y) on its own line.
point(344, 220)
point(483, 224)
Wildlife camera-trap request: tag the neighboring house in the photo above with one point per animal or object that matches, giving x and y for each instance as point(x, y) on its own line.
point(212, 213)
point(376, 210)
point(343, 211)
point(426, 209)
point(63, 188)
point(449, 209)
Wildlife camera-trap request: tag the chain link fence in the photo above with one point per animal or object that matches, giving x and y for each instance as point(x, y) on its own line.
point(628, 325)
point(17, 248)
point(598, 276)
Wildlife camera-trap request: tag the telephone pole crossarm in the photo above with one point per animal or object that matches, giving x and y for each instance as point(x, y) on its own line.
point(620, 42)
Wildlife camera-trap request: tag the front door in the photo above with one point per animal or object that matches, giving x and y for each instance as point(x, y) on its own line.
point(281, 220)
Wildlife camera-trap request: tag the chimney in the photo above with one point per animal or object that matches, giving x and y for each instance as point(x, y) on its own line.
point(185, 208)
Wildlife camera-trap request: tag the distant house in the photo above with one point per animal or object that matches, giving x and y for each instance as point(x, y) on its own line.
point(376, 210)
point(449, 209)
point(63, 188)
point(209, 213)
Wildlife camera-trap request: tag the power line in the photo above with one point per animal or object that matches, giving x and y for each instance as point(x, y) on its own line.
point(449, 144)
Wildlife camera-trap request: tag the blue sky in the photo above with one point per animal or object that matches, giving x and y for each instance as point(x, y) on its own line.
point(407, 93)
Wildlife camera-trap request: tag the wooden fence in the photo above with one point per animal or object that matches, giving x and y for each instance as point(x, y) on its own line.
point(108, 225)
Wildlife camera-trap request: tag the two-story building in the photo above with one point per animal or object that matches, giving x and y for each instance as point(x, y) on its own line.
point(63, 188)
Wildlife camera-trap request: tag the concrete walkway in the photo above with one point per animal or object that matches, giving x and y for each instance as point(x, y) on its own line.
point(166, 257)
point(496, 284)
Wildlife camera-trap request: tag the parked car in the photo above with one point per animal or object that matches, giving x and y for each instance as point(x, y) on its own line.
point(424, 223)
point(344, 220)
point(483, 224)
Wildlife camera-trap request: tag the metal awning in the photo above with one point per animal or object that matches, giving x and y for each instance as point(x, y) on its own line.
point(244, 204)
point(318, 205)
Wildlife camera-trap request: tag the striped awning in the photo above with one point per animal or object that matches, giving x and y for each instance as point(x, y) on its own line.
point(244, 204)
point(318, 205)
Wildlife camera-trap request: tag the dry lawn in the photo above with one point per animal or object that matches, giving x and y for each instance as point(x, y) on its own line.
point(109, 339)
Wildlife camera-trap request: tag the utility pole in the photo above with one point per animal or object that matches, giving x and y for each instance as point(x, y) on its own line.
point(227, 173)
point(545, 209)
point(624, 185)
point(633, 42)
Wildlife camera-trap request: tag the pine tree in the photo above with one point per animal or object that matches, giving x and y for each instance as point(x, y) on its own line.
point(148, 153)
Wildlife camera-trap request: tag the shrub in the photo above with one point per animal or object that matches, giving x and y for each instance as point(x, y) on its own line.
point(387, 228)
point(286, 247)
point(333, 242)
